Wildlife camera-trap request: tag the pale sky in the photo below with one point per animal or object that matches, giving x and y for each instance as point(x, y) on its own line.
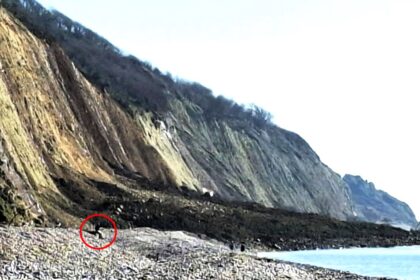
point(345, 75)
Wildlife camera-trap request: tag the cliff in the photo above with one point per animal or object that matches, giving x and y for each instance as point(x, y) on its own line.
point(378, 206)
point(65, 134)
point(271, 166)
point(59, 131)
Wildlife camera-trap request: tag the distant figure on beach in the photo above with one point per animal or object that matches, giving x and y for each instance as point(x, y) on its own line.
point(96, 232)
point(232, 246)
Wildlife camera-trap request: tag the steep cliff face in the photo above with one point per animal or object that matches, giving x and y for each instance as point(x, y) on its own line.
point(57, 129)
point(61, 136)
point(271, 166)
point(378, 206)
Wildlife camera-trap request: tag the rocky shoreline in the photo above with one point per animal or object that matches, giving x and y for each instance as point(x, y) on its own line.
point(140, 253)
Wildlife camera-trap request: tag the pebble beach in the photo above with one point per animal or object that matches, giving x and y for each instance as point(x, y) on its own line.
point(140, 253)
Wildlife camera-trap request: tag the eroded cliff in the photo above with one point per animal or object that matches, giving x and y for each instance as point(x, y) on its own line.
point(269, 165)
point(57, 130)
point(62, 137)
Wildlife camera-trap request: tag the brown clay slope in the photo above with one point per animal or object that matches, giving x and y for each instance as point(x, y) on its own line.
point(56, 128)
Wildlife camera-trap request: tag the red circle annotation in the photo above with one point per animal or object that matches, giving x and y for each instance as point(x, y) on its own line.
point(114, 225)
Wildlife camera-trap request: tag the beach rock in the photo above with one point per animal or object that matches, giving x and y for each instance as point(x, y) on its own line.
point(34, 253)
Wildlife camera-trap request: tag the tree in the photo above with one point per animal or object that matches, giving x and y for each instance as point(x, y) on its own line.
point(261, 117)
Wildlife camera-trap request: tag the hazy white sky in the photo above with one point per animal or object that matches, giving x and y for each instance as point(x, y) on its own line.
point(345, 75)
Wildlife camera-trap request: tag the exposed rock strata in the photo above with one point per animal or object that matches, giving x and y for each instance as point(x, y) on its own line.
point(59, 131)
point(56, 129)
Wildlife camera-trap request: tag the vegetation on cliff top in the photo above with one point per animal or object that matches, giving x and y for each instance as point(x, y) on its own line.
point(127, 79)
